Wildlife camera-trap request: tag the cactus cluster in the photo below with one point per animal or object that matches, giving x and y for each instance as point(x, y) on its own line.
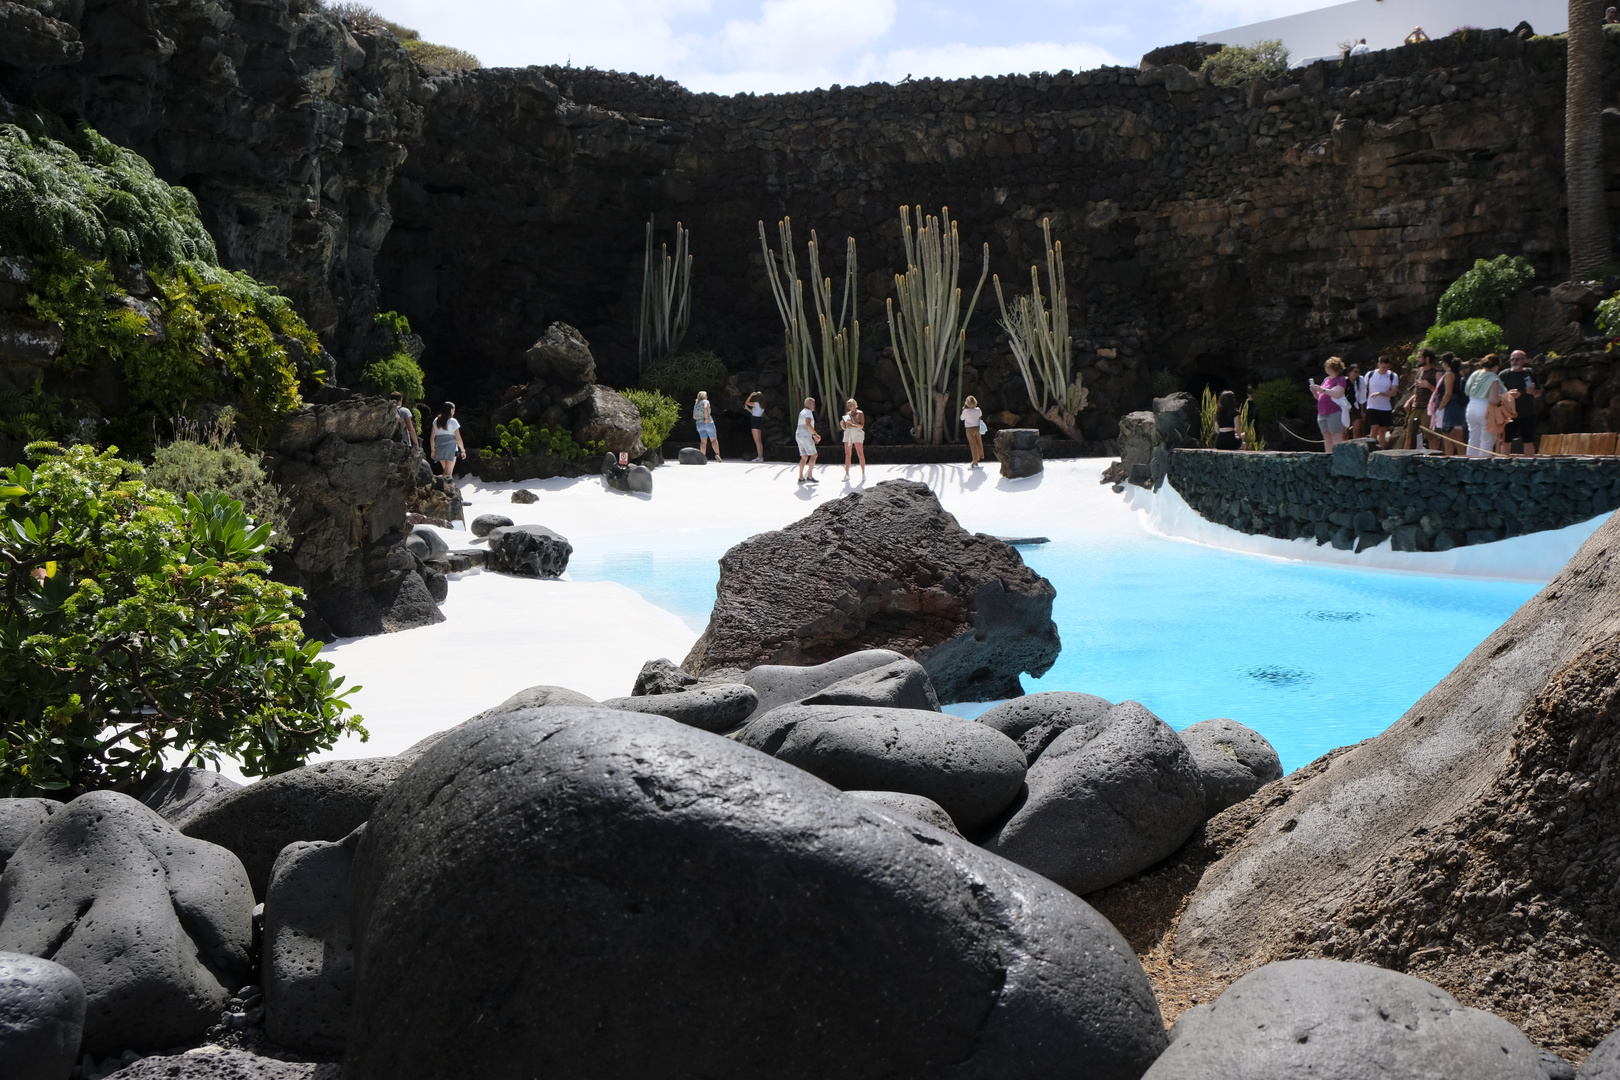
point(1041, 344)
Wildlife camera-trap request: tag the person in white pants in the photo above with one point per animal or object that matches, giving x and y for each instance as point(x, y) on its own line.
point(1484, 389)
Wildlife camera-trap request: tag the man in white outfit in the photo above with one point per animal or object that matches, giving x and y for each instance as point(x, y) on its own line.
point(805, 435)
point(1382, 384)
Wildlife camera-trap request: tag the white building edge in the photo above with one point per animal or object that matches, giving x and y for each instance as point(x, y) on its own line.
point(1313, 35)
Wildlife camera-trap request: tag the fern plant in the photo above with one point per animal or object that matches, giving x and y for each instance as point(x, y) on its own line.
point(1041, 343)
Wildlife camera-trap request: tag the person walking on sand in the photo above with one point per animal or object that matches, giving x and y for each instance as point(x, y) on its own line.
point(854, 425)
point(756, 424)
point(1329, 393)
point(407, 419)
point(974, 427)
point(704, 415)
point(447, 444)
point(807, 438)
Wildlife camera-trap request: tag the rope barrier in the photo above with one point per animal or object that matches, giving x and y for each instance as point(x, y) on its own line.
point(1458, 442)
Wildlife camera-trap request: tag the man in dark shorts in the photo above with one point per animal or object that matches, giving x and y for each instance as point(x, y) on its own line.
point(1522, 428)
point(1382, 384)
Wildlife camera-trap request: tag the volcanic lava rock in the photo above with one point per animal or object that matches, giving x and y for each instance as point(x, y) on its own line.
point(1235, 761)
point(539, 697)
point(902, 684)
point(1337, 1021)
point(607, 416)
point(921, 807)
point(967, 768)
point(324, 801)
point(691, 455)
point(308, 950)
point(41, 1018)
point(719, 707)
point(713, 885)
point(529, 550)
point(179, 795)
point(1604, 1061)
point(525, 497)
point(213, 1063)
point(562, 357)
point(886, 568)
point(157, 925)
point(661, 677)
point(1019, 451)
point(426, 544)
point(779, 684)
point(18, 820)
point(1034, 721)
point(1107, 799)
point(483, 523)
point(636, 479)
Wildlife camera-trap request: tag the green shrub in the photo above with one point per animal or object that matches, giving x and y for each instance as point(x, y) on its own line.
point(681, 377)
point(1484, 291)
point(659, 415)
point(440, 57)
point(517, 439)
point(396, 372)
point(185, 467)
point(151, 631)
point(1278, 399)
point(1236, 64)
point(394, 321)
point(1163, 384)
point(1468, 338)
point(1608, 315)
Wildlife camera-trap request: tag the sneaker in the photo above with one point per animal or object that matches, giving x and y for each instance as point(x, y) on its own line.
point(758, 461)
point(811, 480)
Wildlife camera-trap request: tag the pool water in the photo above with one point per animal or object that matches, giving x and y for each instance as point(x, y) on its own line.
point(1313, 657)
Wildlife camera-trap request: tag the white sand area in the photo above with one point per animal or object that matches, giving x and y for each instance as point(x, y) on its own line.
point(502, 633)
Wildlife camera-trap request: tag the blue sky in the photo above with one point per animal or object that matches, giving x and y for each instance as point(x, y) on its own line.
point(731, 46)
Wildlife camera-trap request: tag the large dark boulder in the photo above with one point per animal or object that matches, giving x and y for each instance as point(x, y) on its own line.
point(901, 684)
point(661, 677)
point(180, 795)
point(1604, 1061)
point(1035, 720)
point(919, 807)
point(585, 893)
point(606, 416)
point(779, 684)
point(308, 964)
point(324, 801)
point(224, 1065)
point(1107, 799)
point(1336, 1021)
point(562, 357)
point(157, 925)
point(886, 568)
point(41, 1018)
point(718, 707)
point(1235, 761)
point(1019, 452)
point(970, 770)
point(529, 550)
point(18, 820)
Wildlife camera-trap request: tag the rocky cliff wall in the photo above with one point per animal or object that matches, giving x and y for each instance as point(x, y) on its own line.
point(1217, 233)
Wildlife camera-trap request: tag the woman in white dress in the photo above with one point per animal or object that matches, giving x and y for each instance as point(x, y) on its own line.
point(854, 425)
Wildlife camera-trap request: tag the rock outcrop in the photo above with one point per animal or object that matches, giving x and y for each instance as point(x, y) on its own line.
point(346, 473)
point(41, 1018)
point(1471, 843)
point(886, 568)
point(565, 396)
point(713, 885)
point(528, 550)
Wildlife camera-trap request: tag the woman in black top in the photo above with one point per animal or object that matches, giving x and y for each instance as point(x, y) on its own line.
point(1227, 436)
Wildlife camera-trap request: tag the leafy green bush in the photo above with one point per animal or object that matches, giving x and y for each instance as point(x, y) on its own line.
point(394, 321)
point(1468, 338)
point(681, 377)
point(1278, 399)
point(133, 627)
point(1608, 315)
point(396, 372)
point(1484, 291)
point(32, 416)
point(1236, 64)
point(517, 439)
point(440, 57)
point(659, 415)
point(185, 467)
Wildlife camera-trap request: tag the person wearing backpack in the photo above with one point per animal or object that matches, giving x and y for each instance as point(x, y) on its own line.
point(705, 426)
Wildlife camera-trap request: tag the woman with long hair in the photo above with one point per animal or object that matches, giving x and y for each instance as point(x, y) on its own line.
point(756, 424)
point(1330, 408)
point(1450, 407)
point(447, 444)
point(854, 425)
point(704, 415)
point(1484, 389)
point(1227, 435)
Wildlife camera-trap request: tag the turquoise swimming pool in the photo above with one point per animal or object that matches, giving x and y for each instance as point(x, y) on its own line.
point(1314, 657)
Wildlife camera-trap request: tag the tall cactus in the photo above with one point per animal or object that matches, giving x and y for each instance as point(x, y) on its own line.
point(929, 331)
point(1041, 344)
point(833, 376)
point(666, 297)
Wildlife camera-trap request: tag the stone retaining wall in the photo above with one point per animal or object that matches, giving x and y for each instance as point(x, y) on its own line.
point(1356, 498)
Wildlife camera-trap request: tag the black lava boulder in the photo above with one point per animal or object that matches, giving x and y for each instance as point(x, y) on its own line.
point(919, 807)
point(973, 772)
point(156, 924)
point(902, 684)
point(484, 523)
point(596, 894)
point(1035, 720)
point(180, 795)
point(1106, 800)
point(1603, 1063)
point(41, 1018)
point(718, 707)
point(308, 960)
point(18, 820)
point(224, 1065)
point(1330, 1020)
point(662, 677)
point(1235, 761)
point(528, 550)
point(779, 684)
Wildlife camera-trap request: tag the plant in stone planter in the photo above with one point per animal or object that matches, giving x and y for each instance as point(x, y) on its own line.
point(929, 331)
point(1041, 343)
point(666, 298)
point(832, 376)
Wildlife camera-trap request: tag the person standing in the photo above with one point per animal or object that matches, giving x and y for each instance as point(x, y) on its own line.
point(1417, 405)
point(407, 419)
point(1450, 406)
point(447, 444)
point(1360, 48)
point(804, 434)
point(704, 415)
point(973, 426)
point(1522, 428)
point(1355, 420)
point(1227, 436)
point(1484, 389)
point(756, 424)
point(1382, 385)
point(1329, 396)
point(854, 425)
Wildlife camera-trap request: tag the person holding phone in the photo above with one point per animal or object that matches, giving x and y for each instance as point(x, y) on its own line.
point(1329, 394)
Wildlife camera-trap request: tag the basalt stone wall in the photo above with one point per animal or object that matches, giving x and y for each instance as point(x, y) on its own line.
point(1220, 234)
point(1420, 501)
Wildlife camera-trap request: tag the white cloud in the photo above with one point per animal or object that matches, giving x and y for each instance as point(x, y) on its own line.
point(803, 35)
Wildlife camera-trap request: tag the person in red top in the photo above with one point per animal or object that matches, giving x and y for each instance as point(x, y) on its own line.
point(1329, 394)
